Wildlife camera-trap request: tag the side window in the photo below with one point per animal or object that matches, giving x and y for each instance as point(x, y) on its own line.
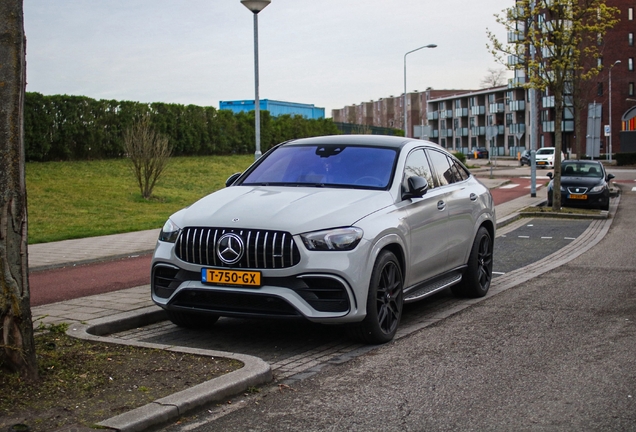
point(441, 167)
point(459, 171)
point(417, 165)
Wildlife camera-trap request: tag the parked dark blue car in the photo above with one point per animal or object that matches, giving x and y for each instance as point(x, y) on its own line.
point(583, 184)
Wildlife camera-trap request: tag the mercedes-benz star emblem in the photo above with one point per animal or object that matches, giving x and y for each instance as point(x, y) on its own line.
point(230, 248)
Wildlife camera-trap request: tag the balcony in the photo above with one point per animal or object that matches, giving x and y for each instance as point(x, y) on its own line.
point(446, 114)
point(432, 115)
point(478, 130)
point(461, 132)
point(566, 126)
point(477, 110)
point(514, 60)
point(447, 133)
point(461, 112)
point(496, 108)
point(516, 128)
point(517, 105)
point(515, 36)
point(548, 102)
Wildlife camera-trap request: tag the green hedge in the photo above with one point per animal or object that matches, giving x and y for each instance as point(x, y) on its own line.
point(62, 127)
point(625, 159)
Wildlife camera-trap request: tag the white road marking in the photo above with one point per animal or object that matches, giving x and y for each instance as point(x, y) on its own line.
point(634, 189)
point(524, 237)
point(569, 238)
point(509, 186)
point(498, 273)
point(546, 237)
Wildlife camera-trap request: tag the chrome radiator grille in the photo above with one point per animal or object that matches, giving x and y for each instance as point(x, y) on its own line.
point(261, 249)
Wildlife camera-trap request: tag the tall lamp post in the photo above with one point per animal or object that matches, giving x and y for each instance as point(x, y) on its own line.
point(256, 6)
point(406, 134)
point(610, 108)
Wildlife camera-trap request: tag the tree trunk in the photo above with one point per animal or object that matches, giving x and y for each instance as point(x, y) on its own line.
point(17, 347)
point(558, 146)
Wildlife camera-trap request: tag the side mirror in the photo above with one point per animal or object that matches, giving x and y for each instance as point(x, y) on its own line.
point(610, 176)
point(417, 187)
point(231, 179)
point(549, 174)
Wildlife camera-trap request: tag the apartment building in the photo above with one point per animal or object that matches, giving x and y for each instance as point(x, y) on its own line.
point(500, 118)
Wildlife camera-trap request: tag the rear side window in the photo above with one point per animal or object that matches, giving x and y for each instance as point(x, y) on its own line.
point(459, 171)
point(442, 172)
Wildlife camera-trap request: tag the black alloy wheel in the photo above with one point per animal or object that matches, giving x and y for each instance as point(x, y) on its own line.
point(478, 276)
point(384, 302)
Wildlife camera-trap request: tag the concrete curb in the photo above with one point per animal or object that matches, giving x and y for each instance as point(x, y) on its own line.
point(253, 373)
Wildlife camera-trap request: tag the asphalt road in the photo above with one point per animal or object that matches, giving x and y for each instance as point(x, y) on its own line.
point(554, 353)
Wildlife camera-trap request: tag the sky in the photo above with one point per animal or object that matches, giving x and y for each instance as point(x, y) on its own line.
point(330, 53)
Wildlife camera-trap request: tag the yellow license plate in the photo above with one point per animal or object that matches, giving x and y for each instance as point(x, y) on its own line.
point(231, 277)
point(541, 163)
point(578, 196)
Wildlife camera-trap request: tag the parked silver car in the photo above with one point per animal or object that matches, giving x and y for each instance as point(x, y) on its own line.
point(339, 229)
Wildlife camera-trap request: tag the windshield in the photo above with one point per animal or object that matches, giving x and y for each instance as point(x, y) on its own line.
point(325, 166)
point(581, 169)
point(545, 151)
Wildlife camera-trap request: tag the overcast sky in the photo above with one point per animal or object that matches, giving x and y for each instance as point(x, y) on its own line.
point(329, 53)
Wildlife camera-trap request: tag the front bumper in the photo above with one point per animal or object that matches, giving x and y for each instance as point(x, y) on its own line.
point(324, 287)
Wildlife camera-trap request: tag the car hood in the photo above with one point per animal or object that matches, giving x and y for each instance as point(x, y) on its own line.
point(292, 209)
point(588, 182)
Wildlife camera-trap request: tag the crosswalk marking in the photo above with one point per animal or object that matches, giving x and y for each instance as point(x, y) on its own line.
point(509, 186)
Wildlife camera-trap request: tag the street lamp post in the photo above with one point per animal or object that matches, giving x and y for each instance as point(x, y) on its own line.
point(256, 6)
point(610, 108)
point(406, 134)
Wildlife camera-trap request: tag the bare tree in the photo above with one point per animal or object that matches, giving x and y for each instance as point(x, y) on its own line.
point(149, 153)
point(494, 78)
point(17, 346)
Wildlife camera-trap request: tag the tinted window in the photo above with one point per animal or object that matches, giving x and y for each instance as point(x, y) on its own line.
point(329, 165)
point(417, 165)
point(459, 171)
point(581, 169)
point(441, 167)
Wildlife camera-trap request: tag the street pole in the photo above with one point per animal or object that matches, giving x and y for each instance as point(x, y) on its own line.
point(406, 134)
point(256, 6)
point(610, 108)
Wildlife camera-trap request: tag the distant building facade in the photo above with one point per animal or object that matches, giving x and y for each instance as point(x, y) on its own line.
point(499, 118)
point(275, 108)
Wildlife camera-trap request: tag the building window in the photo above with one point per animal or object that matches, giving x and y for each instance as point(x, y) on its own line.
point(630, 39)
point(630, 14)
point(631, 89)
point(599, 62)
point(599, 89)
point(630, 63)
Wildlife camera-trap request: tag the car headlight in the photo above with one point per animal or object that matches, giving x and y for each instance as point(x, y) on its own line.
point(339, 239)
point(598, 188)
point(169, 232)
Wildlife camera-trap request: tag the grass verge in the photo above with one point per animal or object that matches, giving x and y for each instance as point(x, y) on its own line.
point(83, 382)
point(81, 199)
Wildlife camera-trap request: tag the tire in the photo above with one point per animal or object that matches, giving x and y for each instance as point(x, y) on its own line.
point(192, 320)
point(605, 206)
point(476, 280)
point(384, 302)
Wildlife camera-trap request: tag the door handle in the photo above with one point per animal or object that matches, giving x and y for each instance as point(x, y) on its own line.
point(441, 205)
point(473, 197)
